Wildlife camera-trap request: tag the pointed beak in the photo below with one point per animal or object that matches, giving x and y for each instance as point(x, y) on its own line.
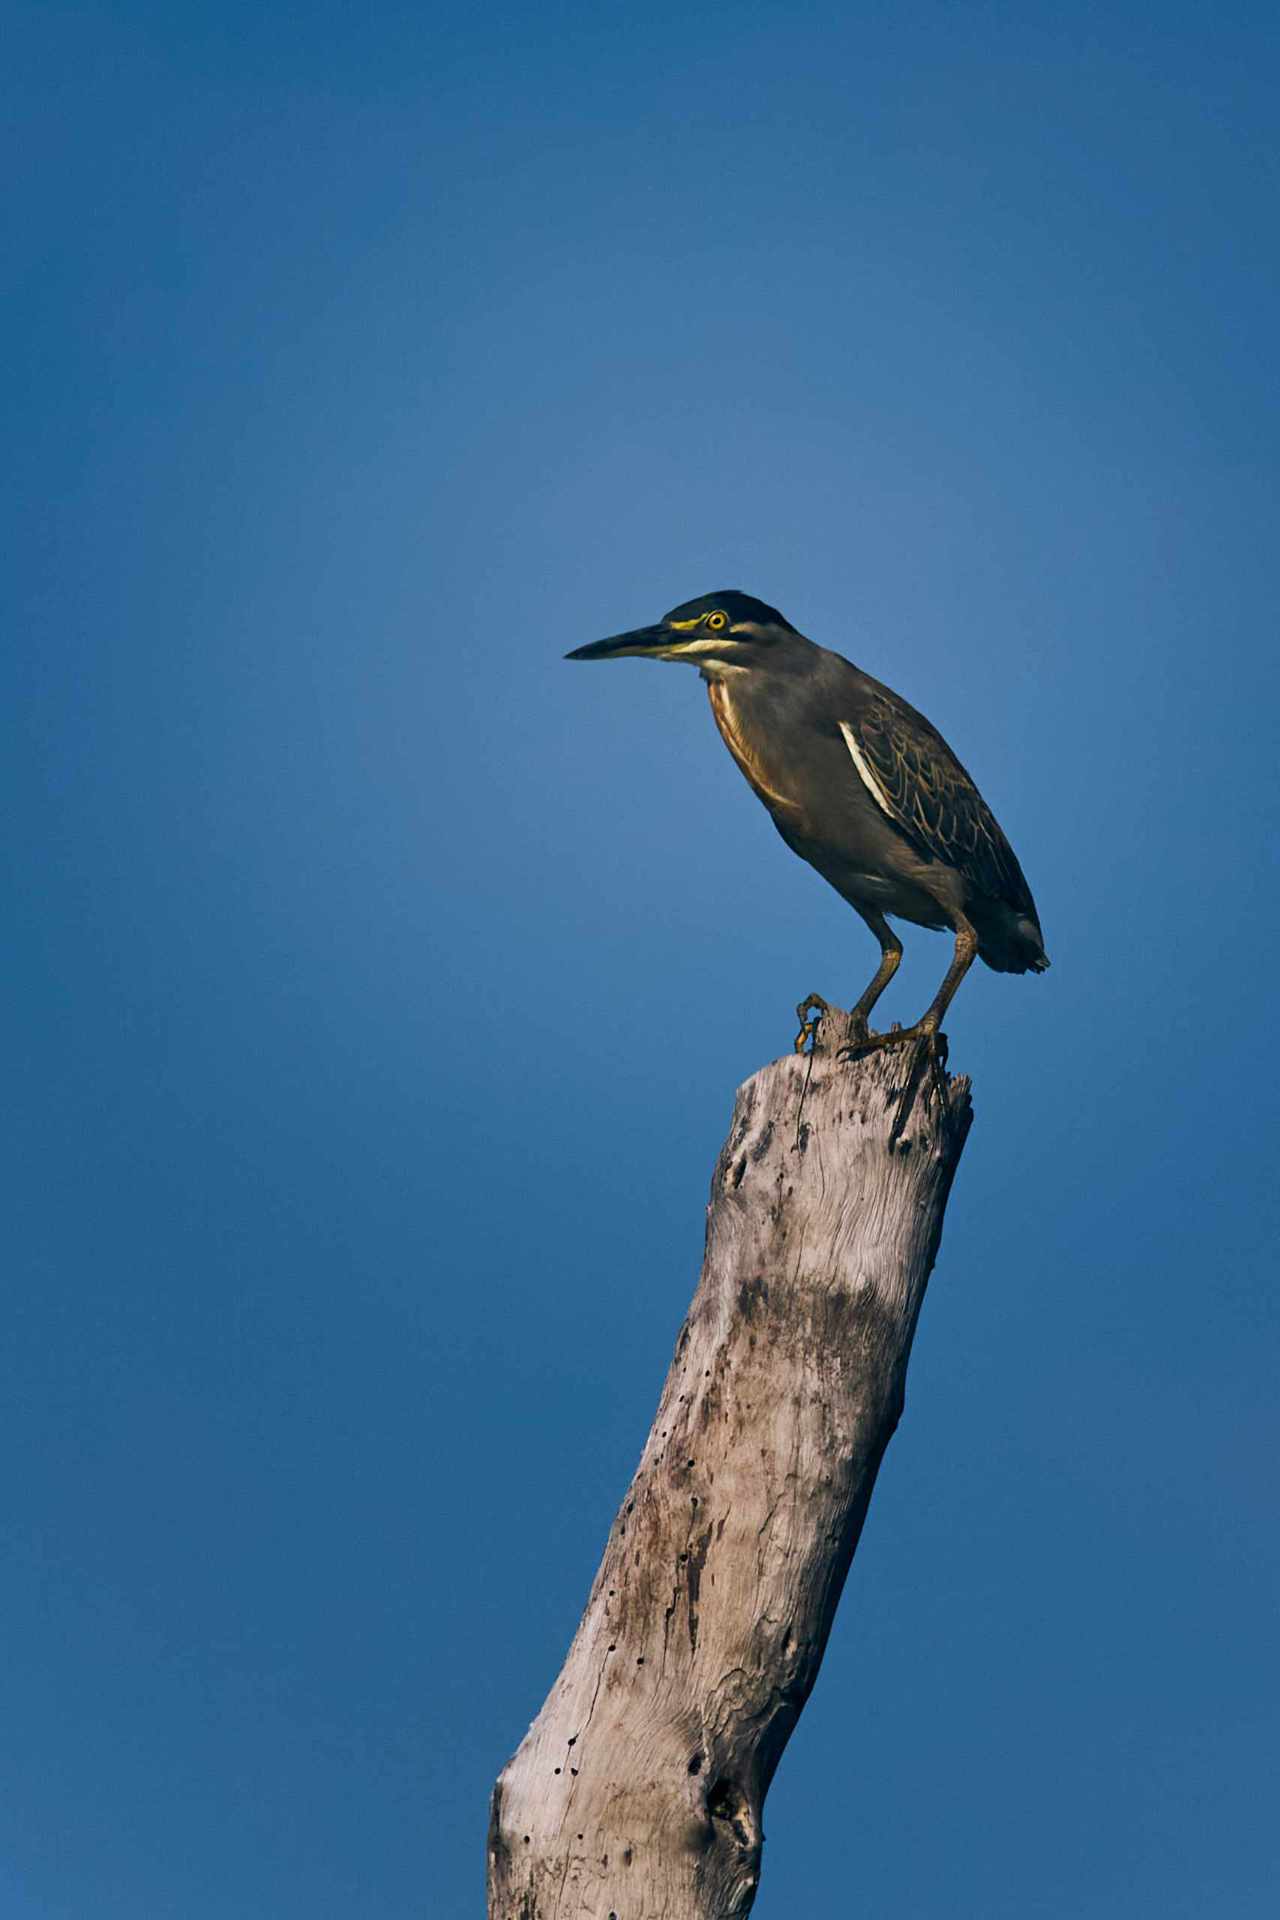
point(648, 642)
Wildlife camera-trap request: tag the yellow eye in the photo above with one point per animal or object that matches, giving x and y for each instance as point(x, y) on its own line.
point(717, 621)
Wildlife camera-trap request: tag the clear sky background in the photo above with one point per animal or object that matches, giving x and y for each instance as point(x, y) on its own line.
point(378, 985)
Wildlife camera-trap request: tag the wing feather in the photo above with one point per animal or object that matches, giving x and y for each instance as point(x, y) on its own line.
point(915, 778)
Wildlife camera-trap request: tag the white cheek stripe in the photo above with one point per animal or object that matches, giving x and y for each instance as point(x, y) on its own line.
point(712, 644)
point(869, 780)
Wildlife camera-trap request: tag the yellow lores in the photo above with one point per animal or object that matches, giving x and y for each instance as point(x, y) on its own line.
point(714, 622)
point(701, 648)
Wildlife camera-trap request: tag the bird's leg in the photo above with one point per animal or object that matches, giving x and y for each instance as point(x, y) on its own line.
point(813, 1003)
point(927, 1026)
point(933, 1052)
point(965, 954)
point(890, 955)
point(859, 1032)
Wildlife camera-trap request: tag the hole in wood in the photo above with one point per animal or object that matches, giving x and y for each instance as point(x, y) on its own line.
point(726, 1801)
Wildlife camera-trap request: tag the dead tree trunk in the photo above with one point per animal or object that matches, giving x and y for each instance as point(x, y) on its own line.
point(637, 1792)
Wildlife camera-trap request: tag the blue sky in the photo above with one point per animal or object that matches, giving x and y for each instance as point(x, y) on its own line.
point(378, 985)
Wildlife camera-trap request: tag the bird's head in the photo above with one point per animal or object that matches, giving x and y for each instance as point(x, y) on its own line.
point(717, 632)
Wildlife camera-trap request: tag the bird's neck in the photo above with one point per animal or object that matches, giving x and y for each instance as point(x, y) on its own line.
point(735, 730)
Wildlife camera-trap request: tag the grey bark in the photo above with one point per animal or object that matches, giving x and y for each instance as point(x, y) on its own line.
point(637, 1792)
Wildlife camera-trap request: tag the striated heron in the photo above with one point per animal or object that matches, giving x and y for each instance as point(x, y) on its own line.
point(859, 785)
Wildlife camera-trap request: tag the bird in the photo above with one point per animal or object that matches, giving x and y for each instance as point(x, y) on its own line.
point(860, 785)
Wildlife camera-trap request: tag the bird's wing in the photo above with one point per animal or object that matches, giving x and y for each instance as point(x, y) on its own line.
point(916, 780)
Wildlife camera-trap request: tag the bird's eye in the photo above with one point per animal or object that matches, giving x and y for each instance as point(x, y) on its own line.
point(717, 621)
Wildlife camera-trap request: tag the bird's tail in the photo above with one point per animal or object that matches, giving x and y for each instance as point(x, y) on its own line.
point(1016, 946)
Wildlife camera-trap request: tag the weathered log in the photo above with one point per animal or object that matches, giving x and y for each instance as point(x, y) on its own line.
point(637, 1792)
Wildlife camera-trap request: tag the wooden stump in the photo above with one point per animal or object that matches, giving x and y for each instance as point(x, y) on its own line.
point(637, 1792)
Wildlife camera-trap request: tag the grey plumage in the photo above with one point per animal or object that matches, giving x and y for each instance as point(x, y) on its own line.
point(857, 782)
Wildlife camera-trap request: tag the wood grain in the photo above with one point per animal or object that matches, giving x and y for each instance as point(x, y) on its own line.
point(638, 1791)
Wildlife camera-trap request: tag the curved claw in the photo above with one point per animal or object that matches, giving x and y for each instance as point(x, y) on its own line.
point(813, 1003)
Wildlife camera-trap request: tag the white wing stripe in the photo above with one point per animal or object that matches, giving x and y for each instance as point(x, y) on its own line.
point(868, 778)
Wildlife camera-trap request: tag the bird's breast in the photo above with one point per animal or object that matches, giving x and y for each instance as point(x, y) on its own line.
point(744, 749)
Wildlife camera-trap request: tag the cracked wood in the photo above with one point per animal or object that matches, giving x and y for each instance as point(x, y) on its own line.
point(637, 1793)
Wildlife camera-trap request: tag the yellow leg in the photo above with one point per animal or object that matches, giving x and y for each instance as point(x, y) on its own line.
point(965, 954)
point(931, 1020)
point(890, 957)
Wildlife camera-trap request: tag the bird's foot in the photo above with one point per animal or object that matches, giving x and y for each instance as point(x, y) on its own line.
point(932, 1044)
point(812, 1004)
point(860, 1034)
point(863, 1041)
